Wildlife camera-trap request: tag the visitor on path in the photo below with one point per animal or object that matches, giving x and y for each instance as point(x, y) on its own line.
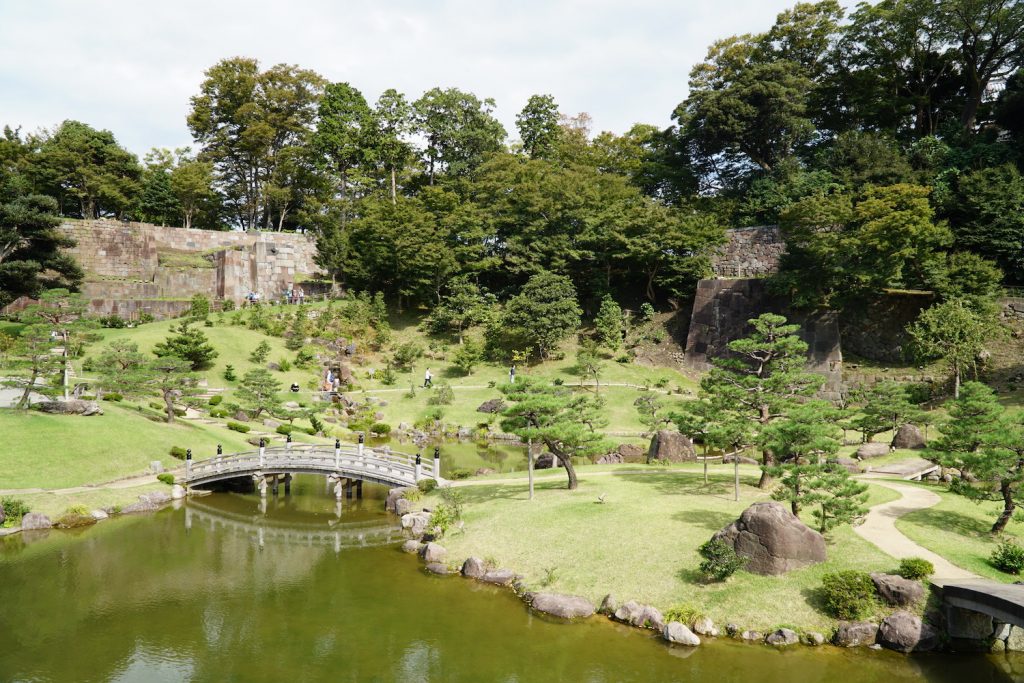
point(300, 295)
point(428, 379)
point(295, 387)
point(512, 374)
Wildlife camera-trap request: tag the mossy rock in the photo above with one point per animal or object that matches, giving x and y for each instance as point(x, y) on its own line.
point(73, 521)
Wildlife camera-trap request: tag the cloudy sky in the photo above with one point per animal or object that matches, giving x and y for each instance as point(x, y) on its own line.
point(130, 66)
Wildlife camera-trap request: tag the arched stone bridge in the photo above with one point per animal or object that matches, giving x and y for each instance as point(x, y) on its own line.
point(359, 463)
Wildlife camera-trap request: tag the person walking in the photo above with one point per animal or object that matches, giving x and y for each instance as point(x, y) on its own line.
point(512, 374)
point(428, 379)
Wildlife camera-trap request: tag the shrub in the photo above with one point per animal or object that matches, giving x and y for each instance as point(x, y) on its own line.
point(915, 568)
point(684, 614)
point(178, 452)
point(646, 312)
point(406, 354)
point(14, 509)
point(145, 318)
point(216, 400)
point(720, 560)
point(166, 477)
point(381, 428)
point(308, 430)
point(443, 396)
point(1008, 557)
point(387, 376)
point(284, 365)
point(413, 495)
point(227, 305)
point(239, 427)
point(180, 412)
point(156, 406)
point(558, 381)
point(662, 382)
point(442, 519)
point(113, 322)
point(260, 353)
point(847, 594)
point(426, 485)
point(285, 429)
point(219, 412)
point(460, 473)
point(77, 510)
point(113, 396)
point(624, 358)
point(317, 424)
point(207, 323)
point(229, 373)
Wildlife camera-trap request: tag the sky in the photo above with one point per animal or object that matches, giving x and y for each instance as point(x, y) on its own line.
point(131, 66)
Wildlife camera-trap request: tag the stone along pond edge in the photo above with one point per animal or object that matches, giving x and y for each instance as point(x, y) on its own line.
point(901, 631)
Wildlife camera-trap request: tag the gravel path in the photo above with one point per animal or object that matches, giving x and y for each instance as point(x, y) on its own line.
point(879, 528)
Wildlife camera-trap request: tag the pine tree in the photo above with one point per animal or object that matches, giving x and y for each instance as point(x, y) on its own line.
point(608, 324)
point(188, 344)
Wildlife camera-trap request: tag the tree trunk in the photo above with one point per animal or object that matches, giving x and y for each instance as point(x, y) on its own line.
point(24, 400)
point(394, 193)
point(169, 406)
point(767, 459)
point(956, 382)
point(1008, 507)
point(64, 370)
point(571, 471)
point(529, 464)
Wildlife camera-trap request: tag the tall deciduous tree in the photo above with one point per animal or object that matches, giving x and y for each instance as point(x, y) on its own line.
point(459, 129)
point(538, 126)
point(544, 313)
point(393, 115)
point(345, 132)
point(956, 333)
point(245, 119)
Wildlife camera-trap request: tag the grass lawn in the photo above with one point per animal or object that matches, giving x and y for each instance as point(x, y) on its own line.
point(642, 543)
point(53, 505)
point(958, 530)
point(58, 451)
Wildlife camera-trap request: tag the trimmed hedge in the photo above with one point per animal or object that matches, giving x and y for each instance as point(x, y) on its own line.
point(239, 427)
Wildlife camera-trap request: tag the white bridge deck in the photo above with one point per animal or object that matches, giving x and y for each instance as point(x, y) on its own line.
point(349, 462)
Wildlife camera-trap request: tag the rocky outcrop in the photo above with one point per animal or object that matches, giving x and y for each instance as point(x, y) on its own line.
point(439, 568)
point(782, 637)
point(675, 632)
point(474, 568)
point(35, 520)
point(416, 522)
point(773, 540)
point(670, 446)
point(905, 632)
point(491, 406)
point(813, 638)
point(612, 458)
point(630, 452)
point(562, 606)
point(897, 591)
point(72, 407)
point(403, 506)
point(177, 492)
point(412, 546)
point(872, 450)
point(499, 577)
point(752, 636)
point(608, 605)
point(968, 624)
point(394, 495)
point(641, 616)
point(73, 521)
point(908, 436)
point(856, 633)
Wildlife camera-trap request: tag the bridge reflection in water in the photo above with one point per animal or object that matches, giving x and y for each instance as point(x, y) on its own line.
point(261, 530)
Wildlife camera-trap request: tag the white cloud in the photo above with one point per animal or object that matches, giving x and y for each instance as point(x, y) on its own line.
point(132, 66)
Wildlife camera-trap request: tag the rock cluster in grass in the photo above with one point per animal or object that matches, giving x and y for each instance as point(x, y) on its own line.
point(71, 407)
point(670, 446)
point(908, 436)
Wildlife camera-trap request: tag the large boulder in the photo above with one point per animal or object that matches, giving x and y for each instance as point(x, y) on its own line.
point(773, 540)
point(872, 449)
point(394, 495)
point(432, 552)
point(897, 591)
point(612, 458)
point(641, 616)
point(73, 521)
point(675, 632)
point(630, 452)
point(705, 627)
point(544, 461)
point(908, 436)
point(412, 546)
point(491, 406)
point(670, 446)
point(35, 520)
point(416, 522)
point(906, 632)
point(563, 606)
point(968, 624)
point(856, 633)
point(499, 577)
point(72, 407)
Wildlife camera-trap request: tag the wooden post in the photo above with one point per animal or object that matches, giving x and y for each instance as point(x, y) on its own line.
point(337, 454)
point(287, 484)
point(529, 464)
point(736, 474)
point(359, 488)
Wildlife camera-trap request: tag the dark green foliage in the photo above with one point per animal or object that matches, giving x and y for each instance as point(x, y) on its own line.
point(381, 428)
point(239, 427)
point(847, 594)
point(543, 314)
point(720, 560)
point(443, 395)
point(317, 424)
point(177, 452)
point(199, 307)
point(189, 344)
point(219, 413)
point(14, 509)
point(166, 478)
point(915, 568)
point(406, 354)
point(229, 373)
point(285, 429)
point(113, 321)
point(215, 400)
point(113, 397)
point(1008, 557)
point(460, 473)
point(608, 324)
point(260, 354)
point(426, 485)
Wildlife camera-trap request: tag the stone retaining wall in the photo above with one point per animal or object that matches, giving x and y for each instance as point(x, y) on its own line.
point(749, 252)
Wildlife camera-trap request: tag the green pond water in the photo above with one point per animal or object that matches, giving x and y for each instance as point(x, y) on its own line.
point(227, 589)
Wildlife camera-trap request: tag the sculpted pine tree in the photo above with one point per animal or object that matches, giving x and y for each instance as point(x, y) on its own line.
point(170, 377)
point(33, 350)
point(761, 381)
point(259, 391)
point(188, 344)
point(987, 446)
point(563, 421)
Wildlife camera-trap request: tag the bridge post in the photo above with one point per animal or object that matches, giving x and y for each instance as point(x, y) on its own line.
point(188, 464)
point(263, 448)
point(288, 441)
point(287, 484)
point(337, 454)
point(362, 438)
point(359, 488)
point(273, 486)
point(419, 467)
point(437, 463)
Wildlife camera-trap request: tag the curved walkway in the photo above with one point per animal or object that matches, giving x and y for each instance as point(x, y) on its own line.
point(879, 528)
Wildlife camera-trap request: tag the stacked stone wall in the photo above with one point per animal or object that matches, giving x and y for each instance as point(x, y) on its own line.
point(749, 252)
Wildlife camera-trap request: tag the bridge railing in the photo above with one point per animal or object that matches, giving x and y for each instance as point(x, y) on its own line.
point(398, 466)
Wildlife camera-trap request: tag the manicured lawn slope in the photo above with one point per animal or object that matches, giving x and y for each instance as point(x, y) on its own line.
point(957, 529)
point(55, 451)
point(641, 544)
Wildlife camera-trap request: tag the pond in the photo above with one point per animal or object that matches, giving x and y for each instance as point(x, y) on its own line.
point(228, 589)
